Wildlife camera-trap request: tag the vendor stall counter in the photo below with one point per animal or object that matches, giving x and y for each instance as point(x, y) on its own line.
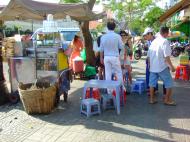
point(46, 59)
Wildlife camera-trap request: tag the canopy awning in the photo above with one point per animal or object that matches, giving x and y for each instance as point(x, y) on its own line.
point(28, 9)
point(176, 8)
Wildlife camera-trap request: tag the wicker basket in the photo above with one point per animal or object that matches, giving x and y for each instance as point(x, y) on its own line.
point(38, 100)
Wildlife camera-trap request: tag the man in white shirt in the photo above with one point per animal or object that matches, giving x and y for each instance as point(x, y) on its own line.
point(109, 48)
point(149, 37)
point(160, 65)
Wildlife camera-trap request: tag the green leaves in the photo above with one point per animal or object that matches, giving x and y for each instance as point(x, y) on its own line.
point(138, 14)
point(145, 3)
point(70, 1)
point(151, 18)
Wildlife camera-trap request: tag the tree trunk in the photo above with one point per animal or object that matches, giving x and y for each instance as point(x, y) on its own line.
point(88, 41)
point(90, 57)
point(3, 87)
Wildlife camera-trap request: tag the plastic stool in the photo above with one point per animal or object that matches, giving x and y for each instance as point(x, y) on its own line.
point(108, 101)
point(142, 79)
point(90, 107)
point(123, 97)
point(138, 86)
point(95, 94)
point(182, 73)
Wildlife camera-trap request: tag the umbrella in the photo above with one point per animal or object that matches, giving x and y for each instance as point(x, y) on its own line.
point(176, 34)
point(30, 9)
point(182, 27)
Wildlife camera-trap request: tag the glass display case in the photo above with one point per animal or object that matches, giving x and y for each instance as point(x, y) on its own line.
point(48, 48)
point(48, 40)
point(51, 60)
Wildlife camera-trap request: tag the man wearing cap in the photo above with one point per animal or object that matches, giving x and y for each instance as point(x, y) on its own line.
point(109, 48)
point(148, 35)
point(160, 66)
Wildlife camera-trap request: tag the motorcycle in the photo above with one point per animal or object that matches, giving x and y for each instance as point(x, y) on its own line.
point(187, 49)
point(140, 50)
point(177, 49)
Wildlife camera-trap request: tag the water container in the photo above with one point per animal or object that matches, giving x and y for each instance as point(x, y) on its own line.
point(78, 65)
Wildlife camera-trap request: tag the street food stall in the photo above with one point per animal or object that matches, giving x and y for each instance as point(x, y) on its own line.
point(46, 59)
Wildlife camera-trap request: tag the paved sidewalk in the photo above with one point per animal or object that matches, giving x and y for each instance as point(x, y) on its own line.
point(138, 122)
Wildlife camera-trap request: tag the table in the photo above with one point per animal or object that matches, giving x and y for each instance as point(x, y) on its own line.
point(105, 84)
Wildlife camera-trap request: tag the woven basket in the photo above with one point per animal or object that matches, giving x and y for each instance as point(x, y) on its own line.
point(38, 100)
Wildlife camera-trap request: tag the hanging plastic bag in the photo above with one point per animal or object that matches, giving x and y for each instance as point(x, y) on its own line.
point(83, 54)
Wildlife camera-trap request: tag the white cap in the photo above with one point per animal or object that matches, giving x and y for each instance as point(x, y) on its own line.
point(147, 30)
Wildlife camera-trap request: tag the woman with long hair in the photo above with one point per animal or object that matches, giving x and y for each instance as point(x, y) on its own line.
point(125, 57)
point(77, 46)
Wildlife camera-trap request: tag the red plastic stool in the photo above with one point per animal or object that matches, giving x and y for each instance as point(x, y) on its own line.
point(121, 98)
point(182, 73)
point(95, 93)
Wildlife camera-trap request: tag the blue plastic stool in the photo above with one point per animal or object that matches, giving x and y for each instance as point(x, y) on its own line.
point(90, 107)
point(142, 79)
point(138, 86)
point(108, 101)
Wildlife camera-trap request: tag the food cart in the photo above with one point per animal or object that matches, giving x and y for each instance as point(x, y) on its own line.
point(44, 61)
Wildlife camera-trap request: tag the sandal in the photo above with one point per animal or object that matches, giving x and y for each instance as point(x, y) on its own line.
point(172, 103)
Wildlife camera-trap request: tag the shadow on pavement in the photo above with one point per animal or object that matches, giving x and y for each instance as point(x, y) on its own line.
point(135, 116)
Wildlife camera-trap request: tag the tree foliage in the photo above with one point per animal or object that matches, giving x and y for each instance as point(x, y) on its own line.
point(129, 9)
point(151, 18)
point(137, 14)
point(11, 31)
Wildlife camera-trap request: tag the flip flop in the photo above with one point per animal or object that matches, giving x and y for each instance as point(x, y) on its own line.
point(170, 103)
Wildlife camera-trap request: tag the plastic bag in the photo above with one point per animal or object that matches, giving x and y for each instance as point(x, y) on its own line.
point(90, 71)
point(83, 54)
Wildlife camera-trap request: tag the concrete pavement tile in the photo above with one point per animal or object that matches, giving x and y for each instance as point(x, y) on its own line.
point(46, 138)
point(173, 138)
point(186, 125)
point(51, 139)
point(47, 131)
point(186, 128)
point(67, 137)
point(77, 128)
point(89, 132)
point(29, 140)
point(58, 132)
point(159, 132)
point(50, 125)
point(81, 138)
point(187, 138)
point(179, 137)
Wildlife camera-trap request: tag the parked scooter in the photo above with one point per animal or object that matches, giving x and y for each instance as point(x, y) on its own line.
point(177, 49)
point(140, 50)
point(187, 49)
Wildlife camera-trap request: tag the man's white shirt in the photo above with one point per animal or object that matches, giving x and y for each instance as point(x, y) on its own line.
point(158, 51)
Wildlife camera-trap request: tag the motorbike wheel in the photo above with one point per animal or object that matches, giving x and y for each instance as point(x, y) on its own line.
point(175, 52)
point(137, 56)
